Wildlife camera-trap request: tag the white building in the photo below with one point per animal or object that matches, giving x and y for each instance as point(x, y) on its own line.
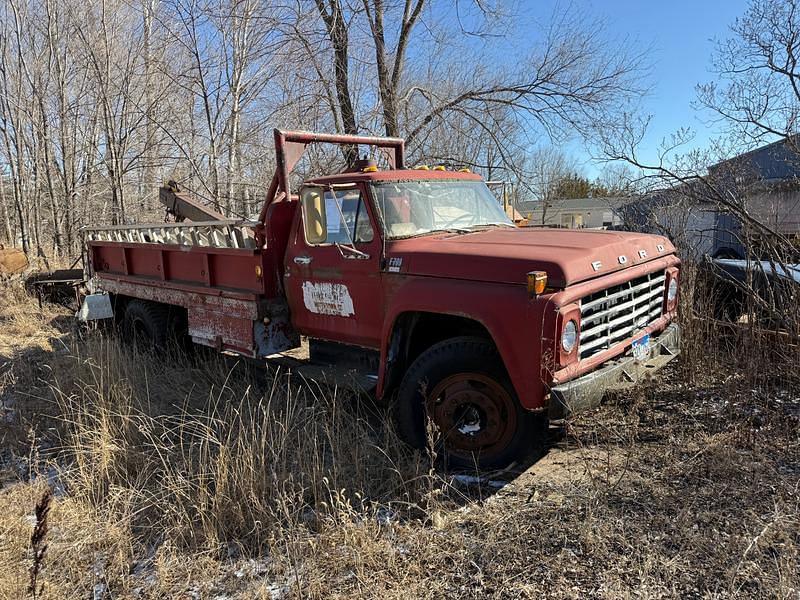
point(574, 213)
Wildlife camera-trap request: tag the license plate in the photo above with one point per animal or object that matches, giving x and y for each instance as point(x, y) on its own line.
point(641, 348)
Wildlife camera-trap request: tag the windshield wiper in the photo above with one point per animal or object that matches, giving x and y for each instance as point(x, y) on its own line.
point(474, 227)
point(430, 232)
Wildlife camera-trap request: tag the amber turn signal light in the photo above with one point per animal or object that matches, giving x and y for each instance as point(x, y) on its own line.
point(537, 282)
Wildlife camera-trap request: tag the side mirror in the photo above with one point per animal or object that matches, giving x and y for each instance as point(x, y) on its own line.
point(314, 215)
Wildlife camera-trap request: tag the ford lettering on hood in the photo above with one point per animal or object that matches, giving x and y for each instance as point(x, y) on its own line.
point(505, 254)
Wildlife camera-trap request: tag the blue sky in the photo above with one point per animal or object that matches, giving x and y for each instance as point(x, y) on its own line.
point(680, 33)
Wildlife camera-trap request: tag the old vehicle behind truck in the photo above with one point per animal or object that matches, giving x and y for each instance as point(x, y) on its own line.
point(415, 278)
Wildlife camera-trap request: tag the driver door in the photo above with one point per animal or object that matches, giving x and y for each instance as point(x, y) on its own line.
point(332, 274)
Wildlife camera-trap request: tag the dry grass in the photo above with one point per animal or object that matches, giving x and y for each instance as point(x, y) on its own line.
point(23, 326)
point(209, 479)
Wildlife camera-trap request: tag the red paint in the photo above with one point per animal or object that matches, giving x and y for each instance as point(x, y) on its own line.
point(225, 268)
point(362, 276)
point(479, 275)
point(506, 255)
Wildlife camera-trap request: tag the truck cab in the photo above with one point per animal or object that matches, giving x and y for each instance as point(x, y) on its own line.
point(418, 278)
point(418, 264)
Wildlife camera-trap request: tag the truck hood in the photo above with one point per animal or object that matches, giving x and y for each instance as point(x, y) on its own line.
point(506, 255)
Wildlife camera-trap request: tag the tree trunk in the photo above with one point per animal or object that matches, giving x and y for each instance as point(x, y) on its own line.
point(9, 236)
point(337, 32)
point(148, 155)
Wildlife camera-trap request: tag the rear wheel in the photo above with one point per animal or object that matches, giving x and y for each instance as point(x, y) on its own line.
point(147, 324)
point(461, 385)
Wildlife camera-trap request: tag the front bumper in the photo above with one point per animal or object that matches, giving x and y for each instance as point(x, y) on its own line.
point(587, 391)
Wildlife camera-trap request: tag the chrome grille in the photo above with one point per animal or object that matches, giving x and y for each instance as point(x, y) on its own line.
point(616, 313)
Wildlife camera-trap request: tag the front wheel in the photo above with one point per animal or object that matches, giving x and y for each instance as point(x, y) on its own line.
point(461, 385)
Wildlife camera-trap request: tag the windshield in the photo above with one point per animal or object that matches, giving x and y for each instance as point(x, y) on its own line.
point(417, 207)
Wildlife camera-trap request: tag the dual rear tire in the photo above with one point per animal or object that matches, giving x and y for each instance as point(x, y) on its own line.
point(151, 325)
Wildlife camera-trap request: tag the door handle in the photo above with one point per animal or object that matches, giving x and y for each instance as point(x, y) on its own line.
point(302, 260)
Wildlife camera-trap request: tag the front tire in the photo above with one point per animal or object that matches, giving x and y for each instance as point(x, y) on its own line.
point(461, 384)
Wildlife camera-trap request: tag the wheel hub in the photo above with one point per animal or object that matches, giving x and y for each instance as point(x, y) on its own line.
point(471, 420)
point(473, 414)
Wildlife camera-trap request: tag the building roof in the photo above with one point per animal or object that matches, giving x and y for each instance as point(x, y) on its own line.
point(775, 162)
point(574, 204)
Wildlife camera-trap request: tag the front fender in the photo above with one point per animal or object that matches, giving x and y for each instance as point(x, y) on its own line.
point(514, 322)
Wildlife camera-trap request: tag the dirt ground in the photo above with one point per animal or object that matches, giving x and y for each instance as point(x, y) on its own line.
point(687, 486)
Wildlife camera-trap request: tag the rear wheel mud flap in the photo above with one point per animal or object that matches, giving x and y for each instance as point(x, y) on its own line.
point(95, 307)
point(275, 335)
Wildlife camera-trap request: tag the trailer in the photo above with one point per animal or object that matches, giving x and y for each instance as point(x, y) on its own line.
point(417, 280)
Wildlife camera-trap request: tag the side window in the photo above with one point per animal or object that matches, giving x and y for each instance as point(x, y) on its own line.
point(335, 216)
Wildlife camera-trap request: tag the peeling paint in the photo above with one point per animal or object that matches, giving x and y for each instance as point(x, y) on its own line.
point(328, 299)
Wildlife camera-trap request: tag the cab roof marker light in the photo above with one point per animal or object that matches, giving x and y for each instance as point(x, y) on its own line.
point(438, 168)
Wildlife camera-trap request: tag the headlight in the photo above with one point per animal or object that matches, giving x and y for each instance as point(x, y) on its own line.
point(569, 336)
point(672, 290)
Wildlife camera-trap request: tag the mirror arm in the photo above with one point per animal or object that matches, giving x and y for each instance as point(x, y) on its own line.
point(357, 254)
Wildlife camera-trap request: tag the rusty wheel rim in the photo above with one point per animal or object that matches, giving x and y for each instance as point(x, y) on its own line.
point(474, 415)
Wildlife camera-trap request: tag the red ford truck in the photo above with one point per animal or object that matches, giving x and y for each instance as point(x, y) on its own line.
point(417, 280)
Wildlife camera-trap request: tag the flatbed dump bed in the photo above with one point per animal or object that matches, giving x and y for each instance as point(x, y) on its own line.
point(212, 269)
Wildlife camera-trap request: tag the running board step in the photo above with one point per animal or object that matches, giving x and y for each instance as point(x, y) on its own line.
point(359, 382)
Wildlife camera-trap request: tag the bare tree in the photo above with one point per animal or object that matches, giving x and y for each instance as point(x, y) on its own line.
point(99, 97)
point(21, 149)
point(755, 98)
point(226, 48)
point(338, 33)
point(618, 180)
point(757, 95)
point(547, 167)
point(568, 78)
point(390, 64)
